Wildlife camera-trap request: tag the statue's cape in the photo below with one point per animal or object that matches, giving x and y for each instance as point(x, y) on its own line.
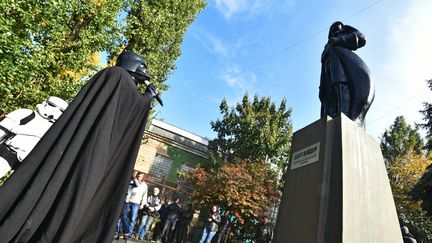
point(358, 75)
point(71, 187)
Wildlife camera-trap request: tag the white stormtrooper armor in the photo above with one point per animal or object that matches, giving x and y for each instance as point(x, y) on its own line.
point(22, 129)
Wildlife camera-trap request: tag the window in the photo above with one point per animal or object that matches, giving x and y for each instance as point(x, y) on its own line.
point(161, 166)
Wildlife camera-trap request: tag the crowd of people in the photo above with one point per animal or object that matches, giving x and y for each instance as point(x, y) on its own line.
point(217, 229)
point(174, 220)
point(140, 210)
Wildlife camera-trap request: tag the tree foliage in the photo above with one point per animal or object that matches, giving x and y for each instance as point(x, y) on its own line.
point(423, 191)
point(155, 29)
point(399, 140)
point(427, 117)
point(404, 173)
point(246, 189)
point(46, 46)
point(251, 138)
point(50, 47)
point(255, 130)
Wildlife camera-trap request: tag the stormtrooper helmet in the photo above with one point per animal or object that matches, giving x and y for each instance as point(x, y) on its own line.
point(52, 108)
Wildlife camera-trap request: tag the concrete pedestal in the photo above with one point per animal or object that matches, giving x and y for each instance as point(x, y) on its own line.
point(336, 188)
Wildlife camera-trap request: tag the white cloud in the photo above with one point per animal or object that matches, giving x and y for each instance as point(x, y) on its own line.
point(411, 39)
point(229, 8)
point(402, 87)
point(240, 82)
point(210, 42)
point(219, 47)
point(233, 77)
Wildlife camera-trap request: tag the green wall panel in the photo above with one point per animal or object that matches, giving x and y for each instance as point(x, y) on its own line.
point(180, 157)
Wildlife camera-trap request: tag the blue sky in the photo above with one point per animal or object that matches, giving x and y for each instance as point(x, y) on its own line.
point(273, 48)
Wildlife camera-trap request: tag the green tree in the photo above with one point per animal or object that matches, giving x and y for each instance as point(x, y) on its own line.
point(155, 29)
point(399, 140)
point(247, 190)
point(423, 191)
point(427, 117)
point(404, 173)
point(250, 151)
point(256, 130)
point(49, 47)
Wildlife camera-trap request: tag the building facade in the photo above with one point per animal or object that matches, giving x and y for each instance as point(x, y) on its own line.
point(167, 150)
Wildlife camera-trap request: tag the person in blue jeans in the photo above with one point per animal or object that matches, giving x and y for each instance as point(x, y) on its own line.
point(135, 199)
point(117, 229)
point(150, 211)
point(212, 224)
point(123, 221)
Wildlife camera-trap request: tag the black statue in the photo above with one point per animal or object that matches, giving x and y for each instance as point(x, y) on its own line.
point(345, 86)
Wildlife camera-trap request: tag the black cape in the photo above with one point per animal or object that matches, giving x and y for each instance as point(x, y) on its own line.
point(360, 82)
point(71, 187)
point(345, 65)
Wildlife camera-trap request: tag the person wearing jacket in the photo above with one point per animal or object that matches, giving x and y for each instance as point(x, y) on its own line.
point(225, 228)
point(173, 215)
point(150, 211)
point(264, 231)
point(185, 222)
point(212, 224)
point(157, 231)
point(119, 225)
point(136, 199)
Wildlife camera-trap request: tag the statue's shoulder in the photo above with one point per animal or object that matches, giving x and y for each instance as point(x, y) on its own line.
point(349, 28)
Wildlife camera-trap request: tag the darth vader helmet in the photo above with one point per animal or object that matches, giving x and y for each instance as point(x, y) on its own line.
point(52, 108)
point(135, 64)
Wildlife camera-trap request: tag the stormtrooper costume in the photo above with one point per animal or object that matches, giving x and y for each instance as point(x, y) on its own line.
point(22, 129)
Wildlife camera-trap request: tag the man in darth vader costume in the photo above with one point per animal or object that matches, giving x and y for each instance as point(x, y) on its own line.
point(346, 85)
point(70, 188)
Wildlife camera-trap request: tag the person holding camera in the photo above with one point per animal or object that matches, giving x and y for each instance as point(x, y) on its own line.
point(149, 212)
point(212, 225)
